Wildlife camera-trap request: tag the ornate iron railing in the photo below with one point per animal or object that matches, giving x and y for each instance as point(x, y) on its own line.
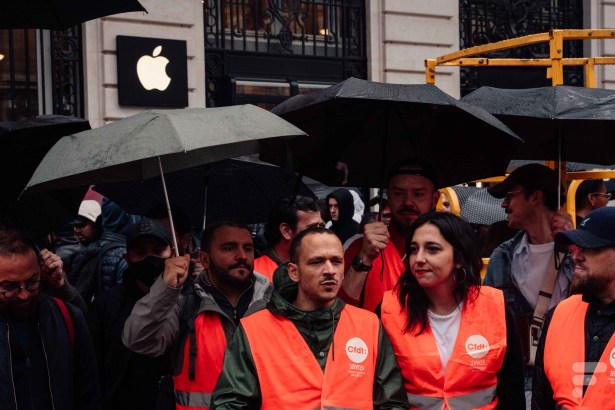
point(67, 72)
point(489, 21)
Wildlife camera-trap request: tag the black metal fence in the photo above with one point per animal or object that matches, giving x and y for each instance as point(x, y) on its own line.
point(488, 21)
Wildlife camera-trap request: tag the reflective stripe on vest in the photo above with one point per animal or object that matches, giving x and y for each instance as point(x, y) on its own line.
point(471, 373)
point(281, 355)
point(192, 399)
point(210, 346)
point(465, 401)
point(564, 363)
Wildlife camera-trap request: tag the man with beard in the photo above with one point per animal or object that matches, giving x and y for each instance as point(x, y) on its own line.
point(46, 353)
point(196, 326)
point(309, 349)
point(375, 261)
point(130, 380)
point(575, 362)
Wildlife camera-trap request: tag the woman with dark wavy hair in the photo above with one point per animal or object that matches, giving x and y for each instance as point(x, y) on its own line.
point(456, 344)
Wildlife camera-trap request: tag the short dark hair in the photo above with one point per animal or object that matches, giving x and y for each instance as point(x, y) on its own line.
point(285, 211)
point(208, 234)
point(16, 242)
point(181, 220)
point(295, 245)
point(466, 252)
point(585, 188)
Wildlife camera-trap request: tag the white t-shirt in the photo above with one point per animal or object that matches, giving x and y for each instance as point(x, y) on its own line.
point(529, 267)
point(445, 329)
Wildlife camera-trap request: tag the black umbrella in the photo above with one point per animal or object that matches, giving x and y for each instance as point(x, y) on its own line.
point(23, 144)
point(59, 14)
point(561, 122)
point(357, 129)
point(231, 189)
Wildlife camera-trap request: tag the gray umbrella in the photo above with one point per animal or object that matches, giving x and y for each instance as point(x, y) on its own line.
point(481, 208)
point(143, 145)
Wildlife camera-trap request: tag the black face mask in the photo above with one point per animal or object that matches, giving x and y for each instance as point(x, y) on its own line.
point(147, 270)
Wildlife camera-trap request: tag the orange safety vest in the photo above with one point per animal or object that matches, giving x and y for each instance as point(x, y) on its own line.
point(470, 380)
point(210, 347)
point(290, 376)
point(265, 266)
point(564, 361)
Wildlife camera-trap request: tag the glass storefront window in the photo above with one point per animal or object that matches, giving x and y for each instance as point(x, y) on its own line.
point(18, 75)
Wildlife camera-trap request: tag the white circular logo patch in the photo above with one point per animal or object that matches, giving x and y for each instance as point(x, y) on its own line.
point(477, 346)
point(612, 357)
point(356, 349)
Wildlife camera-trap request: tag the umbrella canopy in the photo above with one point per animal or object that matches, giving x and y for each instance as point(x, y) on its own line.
point(482, 208)
point(579, 120)
point(357, 129)
point(234, 189)
point(23, 144)
point(129, 149)
point(59, 14)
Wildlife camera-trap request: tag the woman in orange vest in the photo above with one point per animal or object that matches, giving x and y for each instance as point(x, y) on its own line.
point(453, 339)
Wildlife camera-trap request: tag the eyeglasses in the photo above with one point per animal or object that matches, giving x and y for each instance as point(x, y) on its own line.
point(509, 195)
point(13, 290)
point(608, 195)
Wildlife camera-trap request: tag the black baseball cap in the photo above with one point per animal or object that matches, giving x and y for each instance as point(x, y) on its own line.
point(145, 227)
point(597, 230)
point(410, 166)
point(531, 176)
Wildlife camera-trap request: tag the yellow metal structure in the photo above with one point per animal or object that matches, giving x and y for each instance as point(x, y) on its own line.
point(554, 64)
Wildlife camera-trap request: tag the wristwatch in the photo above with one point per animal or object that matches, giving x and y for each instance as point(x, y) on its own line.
point(359, 266)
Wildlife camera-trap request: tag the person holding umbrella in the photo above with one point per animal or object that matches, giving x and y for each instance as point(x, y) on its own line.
point(196, 325)
point(456, 342)
point(374, 262)
point(533, 274)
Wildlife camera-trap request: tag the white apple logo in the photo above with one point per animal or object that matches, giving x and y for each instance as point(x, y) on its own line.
point(152, 71)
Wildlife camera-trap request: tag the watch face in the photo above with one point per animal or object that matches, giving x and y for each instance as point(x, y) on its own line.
point(358, 265)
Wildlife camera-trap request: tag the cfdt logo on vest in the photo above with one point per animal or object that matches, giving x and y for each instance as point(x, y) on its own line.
point(357, 350)
point(477, 346)
point(152, 72)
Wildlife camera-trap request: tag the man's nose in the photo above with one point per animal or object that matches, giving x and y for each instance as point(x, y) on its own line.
point(23, 294)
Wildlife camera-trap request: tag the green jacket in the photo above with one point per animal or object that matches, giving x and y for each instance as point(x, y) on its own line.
point(238, 386)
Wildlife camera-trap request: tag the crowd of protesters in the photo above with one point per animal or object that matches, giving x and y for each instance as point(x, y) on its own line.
point(388, 312)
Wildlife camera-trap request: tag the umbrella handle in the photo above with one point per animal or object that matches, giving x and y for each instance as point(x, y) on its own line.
point(168, 205)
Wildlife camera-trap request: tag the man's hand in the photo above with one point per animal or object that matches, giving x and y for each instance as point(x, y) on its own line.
point(375, 239)
point(176, 270)
point(561, 221)
point(51, 269)
point(198, 267)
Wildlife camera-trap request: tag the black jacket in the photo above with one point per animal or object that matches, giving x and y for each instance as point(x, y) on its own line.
point(127, 380)
point(72, 375)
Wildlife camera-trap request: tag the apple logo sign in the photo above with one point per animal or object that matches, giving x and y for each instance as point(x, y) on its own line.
point(151, 71)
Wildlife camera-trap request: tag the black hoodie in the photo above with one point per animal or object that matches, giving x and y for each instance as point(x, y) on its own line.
point(345, 226)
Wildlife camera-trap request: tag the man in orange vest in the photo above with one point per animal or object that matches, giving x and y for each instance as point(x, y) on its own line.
point(309, 349)
point(374, 262)
point(575, 361)
point(198, 324)
point(288, 217)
